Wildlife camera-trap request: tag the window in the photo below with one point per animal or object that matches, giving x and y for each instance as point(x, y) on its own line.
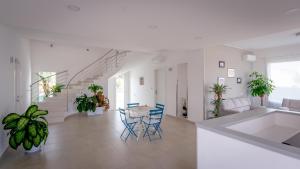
point(46, 84)
point(286, 78)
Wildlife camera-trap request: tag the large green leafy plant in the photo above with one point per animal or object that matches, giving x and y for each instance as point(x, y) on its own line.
point(29, 129)
point(218, 90)
point(260, 85)
point(85, 103)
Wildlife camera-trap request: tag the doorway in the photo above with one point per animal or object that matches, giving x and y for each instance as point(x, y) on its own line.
point(182, 91)
point(120, 92)
point(160, 86)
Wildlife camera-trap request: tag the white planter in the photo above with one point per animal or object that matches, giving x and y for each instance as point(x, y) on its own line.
point(34, 150)
point(99, 111)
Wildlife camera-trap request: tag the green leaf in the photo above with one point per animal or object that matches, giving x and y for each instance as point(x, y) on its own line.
point(37, 140)
point(27, 144)
point(41, 132)
point(31, 109)
point(39, 113)
point(19, 137)
point(12, 142)
point(22, 123)
point(32, 130)
point(10, 117)
point(11, 125)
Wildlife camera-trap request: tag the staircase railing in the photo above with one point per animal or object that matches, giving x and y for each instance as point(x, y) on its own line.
point(36, 88)
point(106, 63)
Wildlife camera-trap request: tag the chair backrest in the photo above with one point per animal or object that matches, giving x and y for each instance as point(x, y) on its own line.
point(131, 105)
point(123, 116)
point(160, 106)
point(155, 114)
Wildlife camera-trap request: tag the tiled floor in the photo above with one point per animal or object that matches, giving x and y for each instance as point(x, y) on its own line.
point(94, 143)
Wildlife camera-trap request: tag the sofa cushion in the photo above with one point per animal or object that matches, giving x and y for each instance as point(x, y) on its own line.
point(227, 104)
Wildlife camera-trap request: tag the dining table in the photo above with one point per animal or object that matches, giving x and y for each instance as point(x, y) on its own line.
point(139, 112)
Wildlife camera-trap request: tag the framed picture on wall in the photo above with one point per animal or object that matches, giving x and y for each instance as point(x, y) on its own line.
point(221, 64)
point(141, 81)
point(221, 80)
point(231, 72)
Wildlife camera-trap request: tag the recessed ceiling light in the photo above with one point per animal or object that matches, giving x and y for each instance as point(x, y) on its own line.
point(292, 11)
point(197, 37)
point(73, 8)
point(152, 26)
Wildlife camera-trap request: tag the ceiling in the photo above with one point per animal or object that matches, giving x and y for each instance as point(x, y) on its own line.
point(269, 41)
point(150, 25)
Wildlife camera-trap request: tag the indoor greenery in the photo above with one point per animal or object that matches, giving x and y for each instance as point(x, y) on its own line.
point(218, 90)
point(97, 90)
point(45, 85)
point(56, 89)
point(85, 103)
point(260, 85)
point(94, 88)
point(29, 129)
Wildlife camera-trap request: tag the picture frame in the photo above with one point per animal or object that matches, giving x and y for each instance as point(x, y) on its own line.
point(231, 72)
point(221, 64)
point(238, 80)
point(221, 80)
point(142, 81)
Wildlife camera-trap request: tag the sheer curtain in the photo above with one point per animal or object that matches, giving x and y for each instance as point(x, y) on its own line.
point(286, 78)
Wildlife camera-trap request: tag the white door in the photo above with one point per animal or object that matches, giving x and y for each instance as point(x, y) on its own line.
point(120, 92)
point(160, 81)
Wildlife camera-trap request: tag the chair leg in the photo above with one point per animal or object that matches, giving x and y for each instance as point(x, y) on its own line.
point(147, 132)
point(157, 129)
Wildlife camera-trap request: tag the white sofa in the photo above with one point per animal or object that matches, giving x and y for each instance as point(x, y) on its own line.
point(290, 104)
point(236, 105)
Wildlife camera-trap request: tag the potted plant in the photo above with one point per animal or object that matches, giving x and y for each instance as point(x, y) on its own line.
point(218, 90)
point(29, 129)
point(260, 85)
point(56, 89)
point(97, 90)
point(86, 104)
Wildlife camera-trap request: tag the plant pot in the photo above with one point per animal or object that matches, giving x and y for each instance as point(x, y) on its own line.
point(99, 111)
point(34, 150)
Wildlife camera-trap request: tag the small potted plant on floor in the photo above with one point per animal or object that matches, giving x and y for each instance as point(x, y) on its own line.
point(218, 90)
point(260, 86)
point(29, 129)
point(102, 103)
point(86, 104)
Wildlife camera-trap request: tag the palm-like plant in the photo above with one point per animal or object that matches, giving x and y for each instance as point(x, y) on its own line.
point(218, 90)
point(29, 129)
point(260, 86)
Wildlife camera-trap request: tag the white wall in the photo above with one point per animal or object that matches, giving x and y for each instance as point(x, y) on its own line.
point(62, 57)
point(233, 59)
point(12, 45)
point(145, 94)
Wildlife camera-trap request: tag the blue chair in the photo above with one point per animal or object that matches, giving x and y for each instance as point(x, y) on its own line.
point(129, 124)
point(162, 107)
point(153, 121)
point(131, 105)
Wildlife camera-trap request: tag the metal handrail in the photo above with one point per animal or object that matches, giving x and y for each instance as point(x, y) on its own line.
point(101, 59)
point(49, 77)
point(91, 64)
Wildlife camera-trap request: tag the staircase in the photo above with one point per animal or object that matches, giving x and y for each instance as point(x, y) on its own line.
point(61, 105)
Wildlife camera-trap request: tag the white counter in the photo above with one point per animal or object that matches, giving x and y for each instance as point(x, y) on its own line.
point(249, 140)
